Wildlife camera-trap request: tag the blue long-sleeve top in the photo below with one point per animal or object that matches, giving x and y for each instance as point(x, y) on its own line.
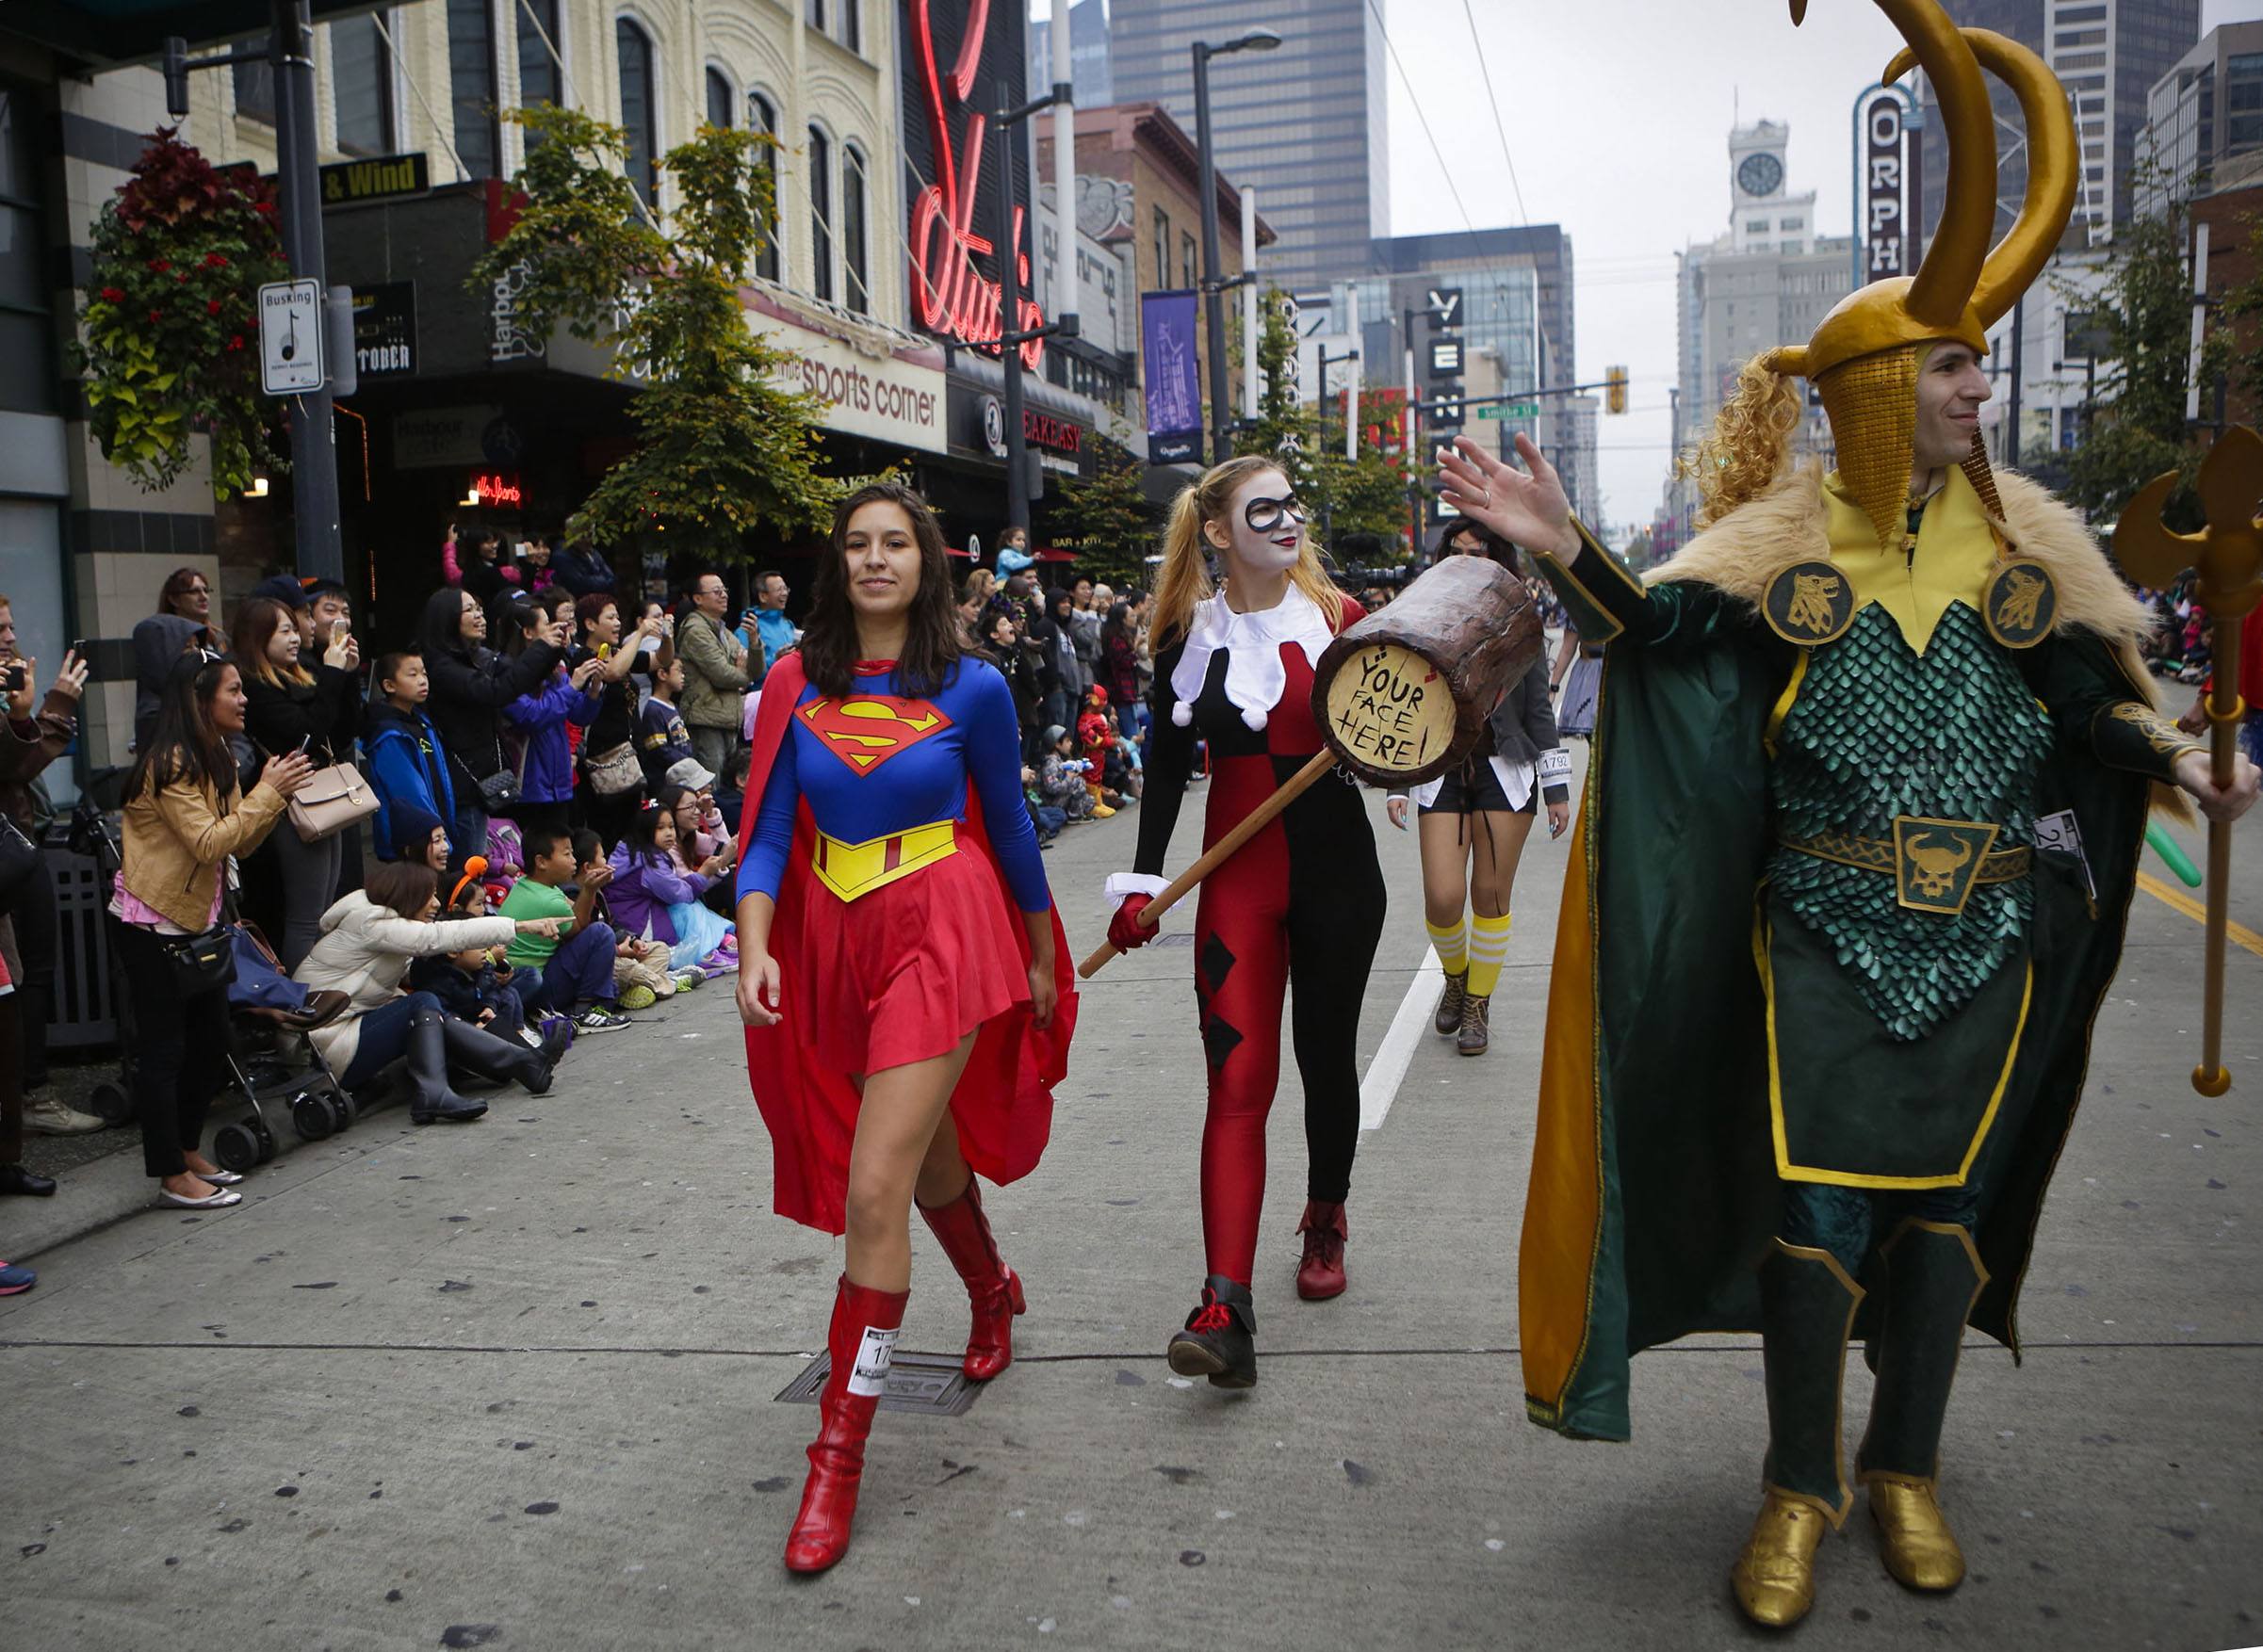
point(874, 764)
point(643, 889)
point(547, 776)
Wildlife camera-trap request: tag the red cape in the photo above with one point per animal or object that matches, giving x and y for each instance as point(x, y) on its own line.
point(1003, 1105)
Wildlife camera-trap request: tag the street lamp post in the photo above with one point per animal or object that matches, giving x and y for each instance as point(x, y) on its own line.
point(1328, 509)
point(1011, 339)
point(1256, 40)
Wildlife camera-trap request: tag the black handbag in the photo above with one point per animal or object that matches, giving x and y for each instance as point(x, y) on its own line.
point(200, 963)
point(18, 859)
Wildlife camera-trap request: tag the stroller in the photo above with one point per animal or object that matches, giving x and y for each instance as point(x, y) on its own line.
point(287, 1073)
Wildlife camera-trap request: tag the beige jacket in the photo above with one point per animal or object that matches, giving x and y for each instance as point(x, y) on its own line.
point(365, 951)
point(177, 839)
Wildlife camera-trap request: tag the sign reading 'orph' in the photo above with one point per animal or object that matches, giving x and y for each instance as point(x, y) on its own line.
point(949, 293)
point(1890, 152)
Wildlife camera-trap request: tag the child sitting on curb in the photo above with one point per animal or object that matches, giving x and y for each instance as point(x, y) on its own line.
point(573, 976)
point(657, 895)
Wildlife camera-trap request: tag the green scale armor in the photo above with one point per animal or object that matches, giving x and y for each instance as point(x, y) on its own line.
point(1879, 730)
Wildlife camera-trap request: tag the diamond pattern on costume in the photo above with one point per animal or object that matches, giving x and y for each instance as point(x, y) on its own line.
point(1217, 962)
point(1220, 1037)
point(1879, 731)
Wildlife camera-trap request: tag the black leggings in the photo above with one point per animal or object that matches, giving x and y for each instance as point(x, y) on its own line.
point(180, 1050)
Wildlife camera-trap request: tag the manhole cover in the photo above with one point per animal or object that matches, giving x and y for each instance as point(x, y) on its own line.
point(931, 1383)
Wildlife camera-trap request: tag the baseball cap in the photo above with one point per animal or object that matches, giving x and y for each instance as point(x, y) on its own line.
point(690, 773)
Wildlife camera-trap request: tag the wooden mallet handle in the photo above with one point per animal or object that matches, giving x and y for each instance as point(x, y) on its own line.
point(1220, 852)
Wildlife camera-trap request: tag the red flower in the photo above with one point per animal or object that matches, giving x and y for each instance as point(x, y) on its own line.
point(212, 306)
point(236, 342)
point(114, 295)
point(157, 314)
point(160, 265)
point(215, 261)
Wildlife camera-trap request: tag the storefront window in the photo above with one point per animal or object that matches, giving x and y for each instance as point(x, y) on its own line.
point(28, 380)
point(821, 213)
point(639, 110)
point(361, 82)
point(539, 81)
point(852, 230)
point(763, 116)
point(471, 85)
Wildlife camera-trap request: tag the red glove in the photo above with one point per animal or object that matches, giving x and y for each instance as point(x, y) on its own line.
point(1125, 931)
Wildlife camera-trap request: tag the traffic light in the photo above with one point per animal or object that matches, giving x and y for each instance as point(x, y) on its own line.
point(1614, 390)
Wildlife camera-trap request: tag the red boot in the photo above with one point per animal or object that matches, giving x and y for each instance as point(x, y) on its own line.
point(1320, 1275)
point(862, 1338)
point(993, 1289)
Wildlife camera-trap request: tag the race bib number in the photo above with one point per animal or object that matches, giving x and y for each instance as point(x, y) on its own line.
point(2061, 836)
point(869, 1375)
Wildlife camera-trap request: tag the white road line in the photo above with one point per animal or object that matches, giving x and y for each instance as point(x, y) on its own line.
point(1380, 1088)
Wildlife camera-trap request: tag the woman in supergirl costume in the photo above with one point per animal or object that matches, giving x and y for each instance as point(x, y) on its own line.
point(902, 975)
point(1301, 902)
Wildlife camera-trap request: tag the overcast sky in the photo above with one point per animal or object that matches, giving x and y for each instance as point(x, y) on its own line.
point(1616, 115)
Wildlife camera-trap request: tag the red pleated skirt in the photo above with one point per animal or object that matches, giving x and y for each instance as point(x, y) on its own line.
point(905, 971)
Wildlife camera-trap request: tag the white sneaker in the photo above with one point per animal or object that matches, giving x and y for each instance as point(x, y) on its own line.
point(48, 1116)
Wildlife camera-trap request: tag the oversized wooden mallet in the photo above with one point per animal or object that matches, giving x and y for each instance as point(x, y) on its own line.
point(1400, 696)
point(2228, 558)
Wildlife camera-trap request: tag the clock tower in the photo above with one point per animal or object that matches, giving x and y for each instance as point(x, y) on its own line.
point(1763, 216)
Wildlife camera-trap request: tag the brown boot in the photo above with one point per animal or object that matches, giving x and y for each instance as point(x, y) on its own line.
point(1320, 1275)
point(1475, 1036)
point(1449, 1006)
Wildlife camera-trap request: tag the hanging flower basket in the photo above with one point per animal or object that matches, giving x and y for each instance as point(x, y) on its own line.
point(168, 337)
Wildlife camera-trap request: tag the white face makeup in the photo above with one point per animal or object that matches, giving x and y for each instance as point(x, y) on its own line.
point(1265, 525)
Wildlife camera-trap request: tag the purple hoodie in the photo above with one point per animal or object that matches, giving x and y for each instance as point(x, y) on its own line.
point(642, 893)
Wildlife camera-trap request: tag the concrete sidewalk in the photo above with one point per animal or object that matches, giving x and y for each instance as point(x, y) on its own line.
point(512, 1384)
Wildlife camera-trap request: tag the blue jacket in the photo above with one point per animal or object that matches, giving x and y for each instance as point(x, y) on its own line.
point(541, 718)
point(407, 762)
point(777, 631)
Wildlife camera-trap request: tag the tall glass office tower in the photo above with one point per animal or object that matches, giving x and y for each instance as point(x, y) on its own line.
point(1304, 124)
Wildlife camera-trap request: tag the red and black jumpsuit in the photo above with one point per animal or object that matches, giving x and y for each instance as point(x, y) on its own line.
point(1300, 905)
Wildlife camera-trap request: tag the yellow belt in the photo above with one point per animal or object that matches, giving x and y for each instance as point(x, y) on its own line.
point(1935, 865)
point(851, 869)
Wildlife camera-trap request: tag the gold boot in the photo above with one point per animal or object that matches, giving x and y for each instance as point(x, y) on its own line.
point(1914, 1538)
point(1774, 1577)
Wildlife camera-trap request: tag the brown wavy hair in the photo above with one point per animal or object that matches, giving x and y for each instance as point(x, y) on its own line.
point(931, 643)
point(256, 623)
point(1750, 447)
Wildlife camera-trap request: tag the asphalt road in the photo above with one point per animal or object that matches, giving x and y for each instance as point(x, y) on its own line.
point(513, 1385)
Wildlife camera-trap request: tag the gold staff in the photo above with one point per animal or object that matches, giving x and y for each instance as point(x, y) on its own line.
point(2228, 558)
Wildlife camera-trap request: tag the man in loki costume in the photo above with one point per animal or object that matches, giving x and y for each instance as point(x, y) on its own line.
point(1862, 824)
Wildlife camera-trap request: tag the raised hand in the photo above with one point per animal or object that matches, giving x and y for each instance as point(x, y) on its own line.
point(70, 682)
point(1527, 507)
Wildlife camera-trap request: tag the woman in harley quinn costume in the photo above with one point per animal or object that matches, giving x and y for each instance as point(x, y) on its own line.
point(1301, 904)
point(902, 971)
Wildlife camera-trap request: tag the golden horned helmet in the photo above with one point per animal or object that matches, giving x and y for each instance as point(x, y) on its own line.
point(1864, 356)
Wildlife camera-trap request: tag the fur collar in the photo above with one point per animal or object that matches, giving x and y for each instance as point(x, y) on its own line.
point(1740, 554)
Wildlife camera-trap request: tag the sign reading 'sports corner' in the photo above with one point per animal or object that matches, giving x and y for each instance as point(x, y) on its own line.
point(390, 177)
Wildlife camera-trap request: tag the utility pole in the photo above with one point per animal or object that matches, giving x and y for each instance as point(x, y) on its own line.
point(1214, 282)
point(1009, 303)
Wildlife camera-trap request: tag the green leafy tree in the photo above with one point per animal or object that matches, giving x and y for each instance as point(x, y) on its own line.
point(169, 339)
point(1107, 519)
point(2137, 430)
point(723, 446)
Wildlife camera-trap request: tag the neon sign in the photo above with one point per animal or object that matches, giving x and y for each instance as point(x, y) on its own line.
point(497, 489)
point(949, 293)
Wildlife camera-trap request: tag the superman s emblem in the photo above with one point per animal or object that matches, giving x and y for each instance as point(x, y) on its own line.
point(866, 730)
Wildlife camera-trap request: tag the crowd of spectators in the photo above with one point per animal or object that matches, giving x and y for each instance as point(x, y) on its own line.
point(556, 765)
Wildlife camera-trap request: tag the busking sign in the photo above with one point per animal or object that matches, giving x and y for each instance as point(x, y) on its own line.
point(1887, 148)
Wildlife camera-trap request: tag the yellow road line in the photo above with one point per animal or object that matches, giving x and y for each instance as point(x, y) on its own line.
point(2239, 934)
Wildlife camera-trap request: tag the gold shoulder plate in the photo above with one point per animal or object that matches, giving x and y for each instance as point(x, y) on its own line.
point(1808, 603)
point(2022, 603)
